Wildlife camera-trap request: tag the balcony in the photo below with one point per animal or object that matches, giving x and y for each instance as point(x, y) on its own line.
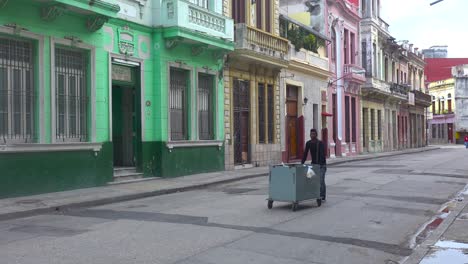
point(383, 25)
point(307, 59)
point(183, 14)
point(351, 73)
point(376, 88)
point(258, 45)
point(399, 89)
point(422, 98)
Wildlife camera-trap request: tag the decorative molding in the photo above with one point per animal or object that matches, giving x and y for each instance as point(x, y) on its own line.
point(74, 40)
point(186, 144)
point(141, 4)
point(51, 12)
point(13, 148)
point(126, 41)
point(197, 50)
point(16, 28)
point(103, 5)
point(3, 3)
point(172, 42)
point(95, 23)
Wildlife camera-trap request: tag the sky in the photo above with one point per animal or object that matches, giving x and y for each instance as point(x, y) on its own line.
point(445, 23)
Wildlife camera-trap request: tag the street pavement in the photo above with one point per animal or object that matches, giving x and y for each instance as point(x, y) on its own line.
point(396, 209)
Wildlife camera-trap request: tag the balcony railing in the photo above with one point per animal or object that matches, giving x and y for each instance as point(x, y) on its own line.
point(250, 38)
point(308, 57)
point(350, 72)
point(383, 25)
point(400, 89)
point(422, 98)
point(194, 17)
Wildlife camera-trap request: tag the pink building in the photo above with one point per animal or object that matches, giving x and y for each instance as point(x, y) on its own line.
point(343, 100)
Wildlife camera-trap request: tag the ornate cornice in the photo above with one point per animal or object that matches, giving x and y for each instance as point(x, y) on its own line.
point(95, 23)
point(102, 4)
point(51, 12)
point(3, 3)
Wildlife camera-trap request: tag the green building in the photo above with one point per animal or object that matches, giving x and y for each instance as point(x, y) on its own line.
point(91, 89)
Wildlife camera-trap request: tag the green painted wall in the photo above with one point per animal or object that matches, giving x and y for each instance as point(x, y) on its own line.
point(185, 161)
point(33, 173)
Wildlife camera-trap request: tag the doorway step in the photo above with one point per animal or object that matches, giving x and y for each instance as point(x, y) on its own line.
point(128, 175)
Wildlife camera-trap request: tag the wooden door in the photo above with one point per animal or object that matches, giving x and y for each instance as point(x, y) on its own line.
point(292, 122)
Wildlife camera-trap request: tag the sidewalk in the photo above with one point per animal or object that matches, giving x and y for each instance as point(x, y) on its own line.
point(11, 208)
point(448, 243)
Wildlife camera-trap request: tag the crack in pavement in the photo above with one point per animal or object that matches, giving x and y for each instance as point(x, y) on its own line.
point(203, 221)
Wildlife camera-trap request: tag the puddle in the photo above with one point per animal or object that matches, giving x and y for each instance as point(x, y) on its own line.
point(451, 244)
point(447, 252)
point(449, 256)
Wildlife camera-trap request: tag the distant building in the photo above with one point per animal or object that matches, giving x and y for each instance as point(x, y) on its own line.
point(460, 73)
point(435, 52)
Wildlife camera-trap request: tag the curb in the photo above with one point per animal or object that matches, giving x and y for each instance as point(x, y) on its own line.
point(421, 250)
point(129, 197)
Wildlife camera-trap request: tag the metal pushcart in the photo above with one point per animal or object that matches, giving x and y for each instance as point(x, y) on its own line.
point(288, 183)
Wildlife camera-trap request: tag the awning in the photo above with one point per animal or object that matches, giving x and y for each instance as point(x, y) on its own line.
point(326, 114)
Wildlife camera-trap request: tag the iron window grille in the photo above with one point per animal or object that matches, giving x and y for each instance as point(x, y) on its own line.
point(205, 106)
point(178, 104)
point(17, 94)
point(71, 94)
point(270, 107)
point(200, 3)
point(379, 124)
point(372, 116)
point(261, 113)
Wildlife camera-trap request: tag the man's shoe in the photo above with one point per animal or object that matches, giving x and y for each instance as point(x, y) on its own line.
point(323, 199)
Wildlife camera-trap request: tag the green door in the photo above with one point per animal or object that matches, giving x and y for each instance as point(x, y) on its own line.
point(123, 126)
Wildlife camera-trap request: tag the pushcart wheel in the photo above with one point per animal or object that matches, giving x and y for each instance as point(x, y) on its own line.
point(294, 207)
point(270, 204)
point(319, 202)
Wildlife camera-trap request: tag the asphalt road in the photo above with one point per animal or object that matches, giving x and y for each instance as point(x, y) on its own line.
point(375, 213)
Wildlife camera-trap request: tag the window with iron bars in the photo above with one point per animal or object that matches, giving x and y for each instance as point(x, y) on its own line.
point(200, 3)
point(261, 113)
point(265, 113)
point(71, 94)
point(17, 94)
point(270, 107)
point(178, 103)
point(205, 106)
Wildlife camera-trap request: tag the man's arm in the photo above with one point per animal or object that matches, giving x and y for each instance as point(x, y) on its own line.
point(306, 152)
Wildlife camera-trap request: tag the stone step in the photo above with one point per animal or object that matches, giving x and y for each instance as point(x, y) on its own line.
point(123, 181)
point(123, 171)
point(125, 174)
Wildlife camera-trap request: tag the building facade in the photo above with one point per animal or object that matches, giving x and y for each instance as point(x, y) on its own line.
point(252, 85)
point(92, 89)
point(344, 88)
point(441, 116)
point(303, 85)
point(393, 97)
point(460, 73)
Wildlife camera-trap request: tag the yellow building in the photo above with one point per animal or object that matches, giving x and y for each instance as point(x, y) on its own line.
point(251, 75)
point(441, 118)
